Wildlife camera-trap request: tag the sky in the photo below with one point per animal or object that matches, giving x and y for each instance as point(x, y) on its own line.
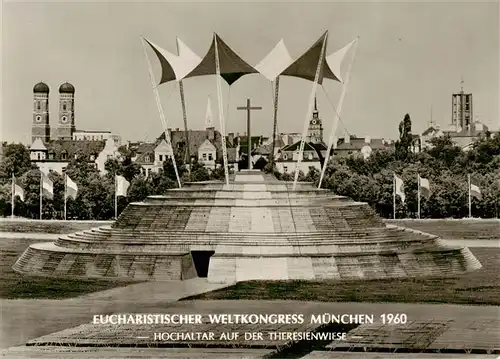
point(411, 57)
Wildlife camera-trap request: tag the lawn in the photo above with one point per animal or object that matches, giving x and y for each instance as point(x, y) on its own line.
point(479, 287)
point(50, 226)
point(468, 229)
point(16, 286)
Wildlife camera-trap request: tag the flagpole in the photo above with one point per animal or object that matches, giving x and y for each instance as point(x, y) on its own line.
point(309, 110)
point(186, 130)
point(338, 109)
point(275, 120)
point(394, 195)
point(160, 110)
point(65, 192)
point(221, 110)
point(12, 196)
point(470, 202)
point(41, 193)
point(116, 200)
point(418, 184)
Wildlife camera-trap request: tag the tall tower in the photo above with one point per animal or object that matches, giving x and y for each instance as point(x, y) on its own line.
point(66, 112)
point(40, 127)
point(461, 111)
point(315, 131)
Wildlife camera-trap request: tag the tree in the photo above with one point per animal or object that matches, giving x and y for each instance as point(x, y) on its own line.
point(385, 202)
point(169, 169)
point(130, 169)
point(139, 189)
point(113, 167)
point(31, 184)
point(80, 171)
point(16, 159)
point(160, 183)
point(218, 174)
point(57, 202)
point(200, 174)
point(405, 139)
point(444, 151)
point(484, 157)
point(313, 175)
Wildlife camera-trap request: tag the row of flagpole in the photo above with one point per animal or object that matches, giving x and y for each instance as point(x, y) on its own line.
point(423, 184)
point(70, 191)
point(121, 187)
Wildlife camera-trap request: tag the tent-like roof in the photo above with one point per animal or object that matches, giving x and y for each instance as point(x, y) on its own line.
point(175, 67)
point(305, 66)
point(278, 62)
point(275, 62)
point(232, 66)
point(335, 60)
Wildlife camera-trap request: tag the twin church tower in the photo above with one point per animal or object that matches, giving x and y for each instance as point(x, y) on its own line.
point(66, 124)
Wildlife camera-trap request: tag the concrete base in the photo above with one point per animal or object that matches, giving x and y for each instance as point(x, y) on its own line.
point(440, 262)
point(46, 259)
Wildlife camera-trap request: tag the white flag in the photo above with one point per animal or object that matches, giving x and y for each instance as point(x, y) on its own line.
point(47, 186)
point(425, 187)
point(18, 190)
point(399, 188)
point(121, 186)
point(475, 191)
point(71, 188)
point(208, 117)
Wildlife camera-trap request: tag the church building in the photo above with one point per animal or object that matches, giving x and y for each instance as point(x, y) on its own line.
point(53, 148)
point(463, 130)
point(314, 148)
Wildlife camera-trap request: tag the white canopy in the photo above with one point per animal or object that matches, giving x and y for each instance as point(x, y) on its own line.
point(175, 67)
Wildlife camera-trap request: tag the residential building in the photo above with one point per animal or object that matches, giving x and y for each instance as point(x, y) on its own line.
point(57, 154)
point(85, 135)
point(364, 146)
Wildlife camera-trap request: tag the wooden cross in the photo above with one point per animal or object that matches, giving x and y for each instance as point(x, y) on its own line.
point(248, 108)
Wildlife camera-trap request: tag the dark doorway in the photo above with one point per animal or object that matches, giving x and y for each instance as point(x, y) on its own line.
point(201, 260)
point(243, 162)
point(260, 164)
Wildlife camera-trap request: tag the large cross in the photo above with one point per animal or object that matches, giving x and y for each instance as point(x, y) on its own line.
point(248, 108)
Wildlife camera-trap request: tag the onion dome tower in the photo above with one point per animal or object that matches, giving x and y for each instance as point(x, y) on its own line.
point(40, 127)
point(66, 126)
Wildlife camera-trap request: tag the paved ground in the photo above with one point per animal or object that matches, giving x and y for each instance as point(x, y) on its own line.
point(343, 355)
point(28, 235)
point(493, 243)
point(113, 353)
point(420, 312)
point(25, 319)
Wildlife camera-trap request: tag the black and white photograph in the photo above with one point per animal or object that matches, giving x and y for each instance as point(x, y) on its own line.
point(250, 180)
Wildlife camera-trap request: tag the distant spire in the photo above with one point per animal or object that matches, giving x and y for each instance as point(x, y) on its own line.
point(462, 84)
point(315, 112)
point(432, 120)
